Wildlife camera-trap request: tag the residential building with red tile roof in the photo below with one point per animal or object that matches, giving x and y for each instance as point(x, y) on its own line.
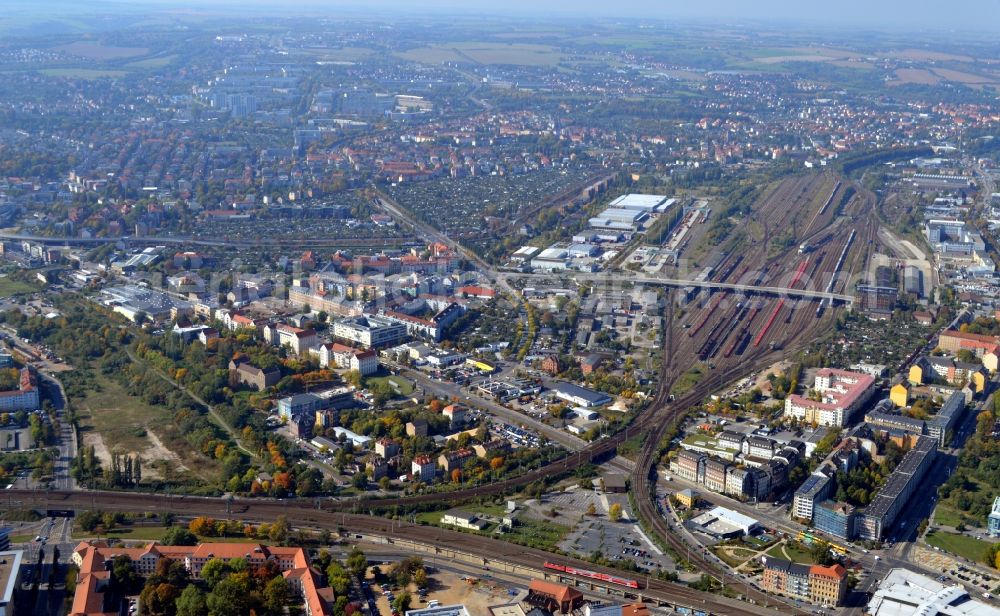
point(953, 341)
point(842, 394)
point(25, 398)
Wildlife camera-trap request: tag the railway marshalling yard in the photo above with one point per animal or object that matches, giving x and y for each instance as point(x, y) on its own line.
point(813, 231)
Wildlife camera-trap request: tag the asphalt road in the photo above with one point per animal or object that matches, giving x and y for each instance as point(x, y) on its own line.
point(451, 390)
point(55, 393)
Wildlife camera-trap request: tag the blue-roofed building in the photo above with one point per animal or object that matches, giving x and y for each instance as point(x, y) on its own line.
point(580, 396)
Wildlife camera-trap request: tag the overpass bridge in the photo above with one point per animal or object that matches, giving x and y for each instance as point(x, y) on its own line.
point(750, 289)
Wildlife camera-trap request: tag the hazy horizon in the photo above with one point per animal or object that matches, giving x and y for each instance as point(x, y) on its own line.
point(885, 14)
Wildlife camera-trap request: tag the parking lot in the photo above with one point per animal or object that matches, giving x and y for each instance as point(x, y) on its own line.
point(952, 571)
point(617, 541)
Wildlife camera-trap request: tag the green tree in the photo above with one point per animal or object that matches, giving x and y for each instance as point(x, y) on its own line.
point(230, 597)
point(338, 578)
point(178, 535)
point(340, 606)
point(276, 595)
point(192, 602)
point(821, 554)
point(401, 603)
point(214, 571)
point(89, 520)
point(123, 573)
point(356, 562)
point(420, 577)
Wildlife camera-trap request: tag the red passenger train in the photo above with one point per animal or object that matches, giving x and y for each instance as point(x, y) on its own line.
point(603, 577)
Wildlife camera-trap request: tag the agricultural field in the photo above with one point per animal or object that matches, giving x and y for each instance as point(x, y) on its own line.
point(151, 63)
point(82, 73)
point(520, 54)
point(97, 52)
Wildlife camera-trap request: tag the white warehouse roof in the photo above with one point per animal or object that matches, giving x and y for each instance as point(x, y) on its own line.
point(904, 592)
point(639, 202)
point(622, 215)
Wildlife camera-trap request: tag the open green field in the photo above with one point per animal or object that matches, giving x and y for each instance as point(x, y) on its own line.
point(689, 379)
point(81, 73)
point(10, 287)
point(396, 383)
point(733, 556)
point(538, 533)
point(962, 545)
point(630, 448)
point(946, 516)
point(787, 552)
point(429, 517)
point(152, 533)
point(125, 533)
point(113, 421)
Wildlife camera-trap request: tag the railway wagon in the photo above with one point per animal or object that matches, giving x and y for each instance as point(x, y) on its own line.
point(603, 577)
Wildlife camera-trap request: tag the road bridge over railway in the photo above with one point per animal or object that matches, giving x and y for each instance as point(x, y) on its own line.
point(752, 289)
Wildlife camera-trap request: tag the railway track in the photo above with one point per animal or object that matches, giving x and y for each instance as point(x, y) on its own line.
point(491, 550)
point(653, 423)
point(644, 479)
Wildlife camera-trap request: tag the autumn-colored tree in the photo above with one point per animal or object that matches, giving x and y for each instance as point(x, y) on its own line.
point(279, 530)
point(202, 526)
point(435, 406)
point(284, 481)
point(615, 512)
point(496, 463)
point(277, 458)
point(456, 475)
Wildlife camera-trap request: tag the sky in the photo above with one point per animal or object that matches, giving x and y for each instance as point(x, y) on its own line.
point(936, 15)
point(887, 14)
